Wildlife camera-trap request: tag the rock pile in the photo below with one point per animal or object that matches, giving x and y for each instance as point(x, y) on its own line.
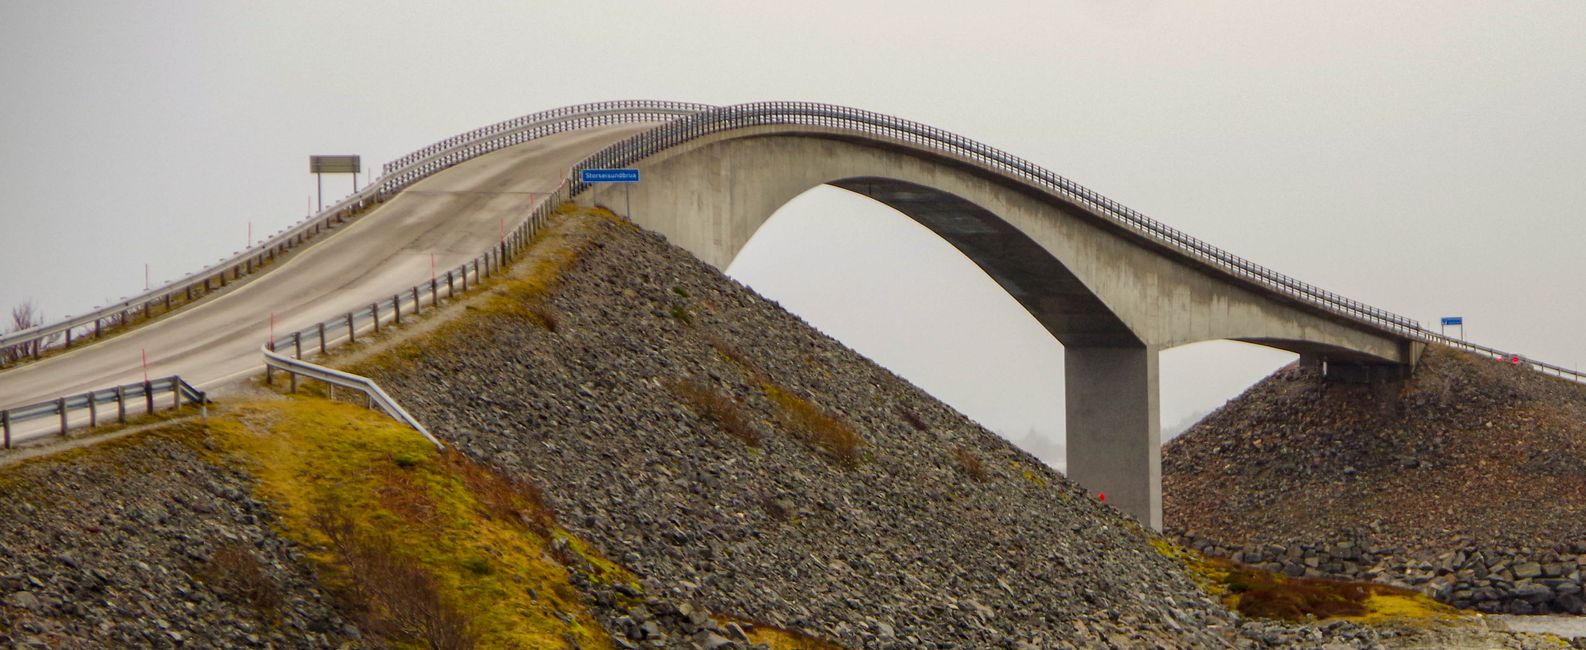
point(1467, 481)
point(941, 535)
point(142, 544)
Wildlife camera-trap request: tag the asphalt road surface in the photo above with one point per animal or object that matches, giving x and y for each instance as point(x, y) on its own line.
point(455, 215)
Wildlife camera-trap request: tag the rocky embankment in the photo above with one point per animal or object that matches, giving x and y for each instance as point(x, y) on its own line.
point(683, 426)
point(1467, 481)
point(143, 544)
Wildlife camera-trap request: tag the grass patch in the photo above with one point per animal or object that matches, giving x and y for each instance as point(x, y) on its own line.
point(969, 462)
point(422, 547)
point(823, 429)
point(717, 407)
point(1264, 594)
point(780, 639)
point(680, 313)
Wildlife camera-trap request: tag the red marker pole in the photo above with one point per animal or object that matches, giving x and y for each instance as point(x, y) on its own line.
point(145, 276)
point(145, 354)
point(1101, 496)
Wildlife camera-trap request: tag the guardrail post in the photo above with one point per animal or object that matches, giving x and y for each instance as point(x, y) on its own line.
point(450, 291)
point(435, 293)
point(374, 309)
point(121, 405)
point(148, 398)
point(97, 331)
point(269, 370)
point(415, 300)
point(396, 309)
point(60, 405)
point(465, 277)
point(352, 333)
point(68, 338)
point(5, 423)
point(176, 393)
point(93, 410)
point(293, 376)
point(297, 345)
point(322, 337)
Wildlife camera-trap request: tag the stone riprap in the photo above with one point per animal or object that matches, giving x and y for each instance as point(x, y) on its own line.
point(141, 544)
point(904, 549)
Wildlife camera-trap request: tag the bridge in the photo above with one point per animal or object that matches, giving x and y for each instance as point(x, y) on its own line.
point(1113, 286)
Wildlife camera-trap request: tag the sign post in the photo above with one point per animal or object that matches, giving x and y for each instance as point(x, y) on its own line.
point(624, 176)
point(319, 165)
point(1452, 320)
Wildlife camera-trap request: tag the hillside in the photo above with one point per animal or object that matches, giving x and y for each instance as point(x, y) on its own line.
point(1470, 461)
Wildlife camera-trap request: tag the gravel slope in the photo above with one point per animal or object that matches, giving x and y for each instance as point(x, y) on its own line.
point(905, 549)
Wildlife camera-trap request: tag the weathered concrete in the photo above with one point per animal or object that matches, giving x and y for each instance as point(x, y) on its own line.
point(1095, 286)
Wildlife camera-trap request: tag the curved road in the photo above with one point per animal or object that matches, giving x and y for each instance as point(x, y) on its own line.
point(454, 215)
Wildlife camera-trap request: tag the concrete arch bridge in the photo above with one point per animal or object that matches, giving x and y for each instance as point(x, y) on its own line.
point(1114, 287)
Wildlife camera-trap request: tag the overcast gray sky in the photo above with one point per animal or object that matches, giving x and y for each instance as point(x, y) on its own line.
point(1427, 158)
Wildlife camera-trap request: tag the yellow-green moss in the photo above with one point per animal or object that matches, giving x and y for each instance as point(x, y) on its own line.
point(473, 530)
point(1256, 592)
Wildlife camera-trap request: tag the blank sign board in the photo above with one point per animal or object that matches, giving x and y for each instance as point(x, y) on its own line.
point(334, 165)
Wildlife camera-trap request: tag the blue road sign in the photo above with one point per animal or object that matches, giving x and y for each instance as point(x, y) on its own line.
point(608, 175)
point(1453, 320)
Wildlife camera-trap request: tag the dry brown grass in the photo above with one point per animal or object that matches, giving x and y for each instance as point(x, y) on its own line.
point(969, 462)
point(825, 430)
point(391, 596)
point(914, 420)
point(717, 407)
point(237, 576)
point(545, 316)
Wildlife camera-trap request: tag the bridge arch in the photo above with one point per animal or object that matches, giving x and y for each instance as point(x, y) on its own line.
point(1112, 297)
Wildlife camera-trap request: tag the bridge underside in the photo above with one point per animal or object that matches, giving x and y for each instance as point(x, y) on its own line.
point(1112, 299)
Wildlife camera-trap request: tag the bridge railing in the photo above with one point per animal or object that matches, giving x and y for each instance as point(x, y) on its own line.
point(36, 341)
point(959, 148)
point(126, 398)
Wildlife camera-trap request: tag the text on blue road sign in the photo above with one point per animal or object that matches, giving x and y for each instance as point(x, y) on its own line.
point(1453, 320)
point(608, 175)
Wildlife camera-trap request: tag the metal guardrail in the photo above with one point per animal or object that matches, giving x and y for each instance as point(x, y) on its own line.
point(34, 342)
point(377, 396)
point(146, 391)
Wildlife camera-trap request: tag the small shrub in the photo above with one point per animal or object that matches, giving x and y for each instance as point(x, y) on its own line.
point(712, 405)
point(545, 317)
point(970, 463)
point(389, 594)
point(913, 420)
point(728, 351)
point(681, 314)
point(680, 291)
point(833, 436)
point(237, 576)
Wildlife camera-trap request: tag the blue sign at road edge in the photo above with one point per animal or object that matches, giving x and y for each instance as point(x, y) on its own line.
point(1453, 320)
point(608, 175)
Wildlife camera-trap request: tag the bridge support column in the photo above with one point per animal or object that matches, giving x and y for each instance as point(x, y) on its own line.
point(1114, 430)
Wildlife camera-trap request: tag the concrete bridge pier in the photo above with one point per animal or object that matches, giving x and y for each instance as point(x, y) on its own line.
point(1114, 431)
